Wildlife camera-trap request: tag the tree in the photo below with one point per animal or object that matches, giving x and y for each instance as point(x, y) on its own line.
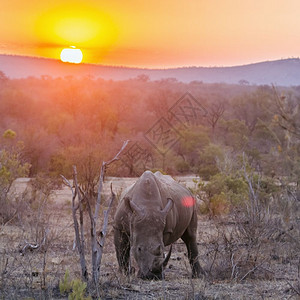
point(97, 241)
point(251, 108)
point(207, 164)
point(215, 112)
point(12, 166)
point(193, 141)
point(233, 133)
point(287, 113)
point(3, 78)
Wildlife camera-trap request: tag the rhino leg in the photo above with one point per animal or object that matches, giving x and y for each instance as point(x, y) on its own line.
point(189, 238)
point(122, 245)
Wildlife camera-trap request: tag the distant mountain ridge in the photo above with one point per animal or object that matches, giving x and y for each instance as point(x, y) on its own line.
point(284, 72)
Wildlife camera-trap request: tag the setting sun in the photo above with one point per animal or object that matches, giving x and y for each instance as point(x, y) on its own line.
point(82, 25)
point(71, 55)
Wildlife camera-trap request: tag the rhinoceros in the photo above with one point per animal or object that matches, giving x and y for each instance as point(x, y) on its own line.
point(154, 213)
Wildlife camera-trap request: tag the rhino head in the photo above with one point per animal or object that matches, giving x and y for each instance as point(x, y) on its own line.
point(146, 236)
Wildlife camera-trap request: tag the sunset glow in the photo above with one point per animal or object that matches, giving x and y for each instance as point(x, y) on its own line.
point(90, 29)
point(153, 34)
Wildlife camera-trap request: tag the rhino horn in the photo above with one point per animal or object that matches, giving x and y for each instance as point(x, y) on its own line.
point(132, 207)
point(168, 207)
point(165, 262)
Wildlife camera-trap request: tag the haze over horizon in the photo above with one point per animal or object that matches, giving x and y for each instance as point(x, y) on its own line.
point(153, 34)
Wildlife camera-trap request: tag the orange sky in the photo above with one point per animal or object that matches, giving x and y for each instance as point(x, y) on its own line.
point(153, 33)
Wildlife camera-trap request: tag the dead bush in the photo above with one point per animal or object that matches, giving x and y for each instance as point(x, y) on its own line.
point(234, 254)
point(28, 244)
point(244, 242)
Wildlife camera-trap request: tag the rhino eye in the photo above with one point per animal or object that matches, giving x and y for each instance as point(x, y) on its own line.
point(139, 249)
point(158, 250)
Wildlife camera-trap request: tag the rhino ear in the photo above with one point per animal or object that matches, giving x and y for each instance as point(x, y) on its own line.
point(127, 205)
point(168, 207)
point(132, 207)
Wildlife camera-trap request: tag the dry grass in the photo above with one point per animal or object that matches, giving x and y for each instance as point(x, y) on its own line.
point(37, 274)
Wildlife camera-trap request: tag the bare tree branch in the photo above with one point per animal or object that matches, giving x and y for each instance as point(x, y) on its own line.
point(251, 271)
point(30, 247)
point(96, 247)
point(83, 195)
point(297, 291)
point(104, 226)
point(79, 238)
point(101, 179)
point(67, 182)
point(215, 112)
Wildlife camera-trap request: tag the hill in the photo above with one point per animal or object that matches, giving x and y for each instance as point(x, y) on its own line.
point(285, 72)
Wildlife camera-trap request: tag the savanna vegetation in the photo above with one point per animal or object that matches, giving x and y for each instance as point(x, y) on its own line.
point(244, 153)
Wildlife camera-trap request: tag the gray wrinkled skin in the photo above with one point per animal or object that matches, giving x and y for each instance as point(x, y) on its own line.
point(153, 213)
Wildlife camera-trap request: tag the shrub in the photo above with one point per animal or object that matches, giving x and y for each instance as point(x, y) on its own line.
point(65, 285)
point(182, 166)
point(207, 166)
point(219, 204)
point(78, 290)
point(75, 288)
point(222, 193)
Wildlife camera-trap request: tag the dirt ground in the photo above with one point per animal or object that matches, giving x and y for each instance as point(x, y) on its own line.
point(36, 274)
